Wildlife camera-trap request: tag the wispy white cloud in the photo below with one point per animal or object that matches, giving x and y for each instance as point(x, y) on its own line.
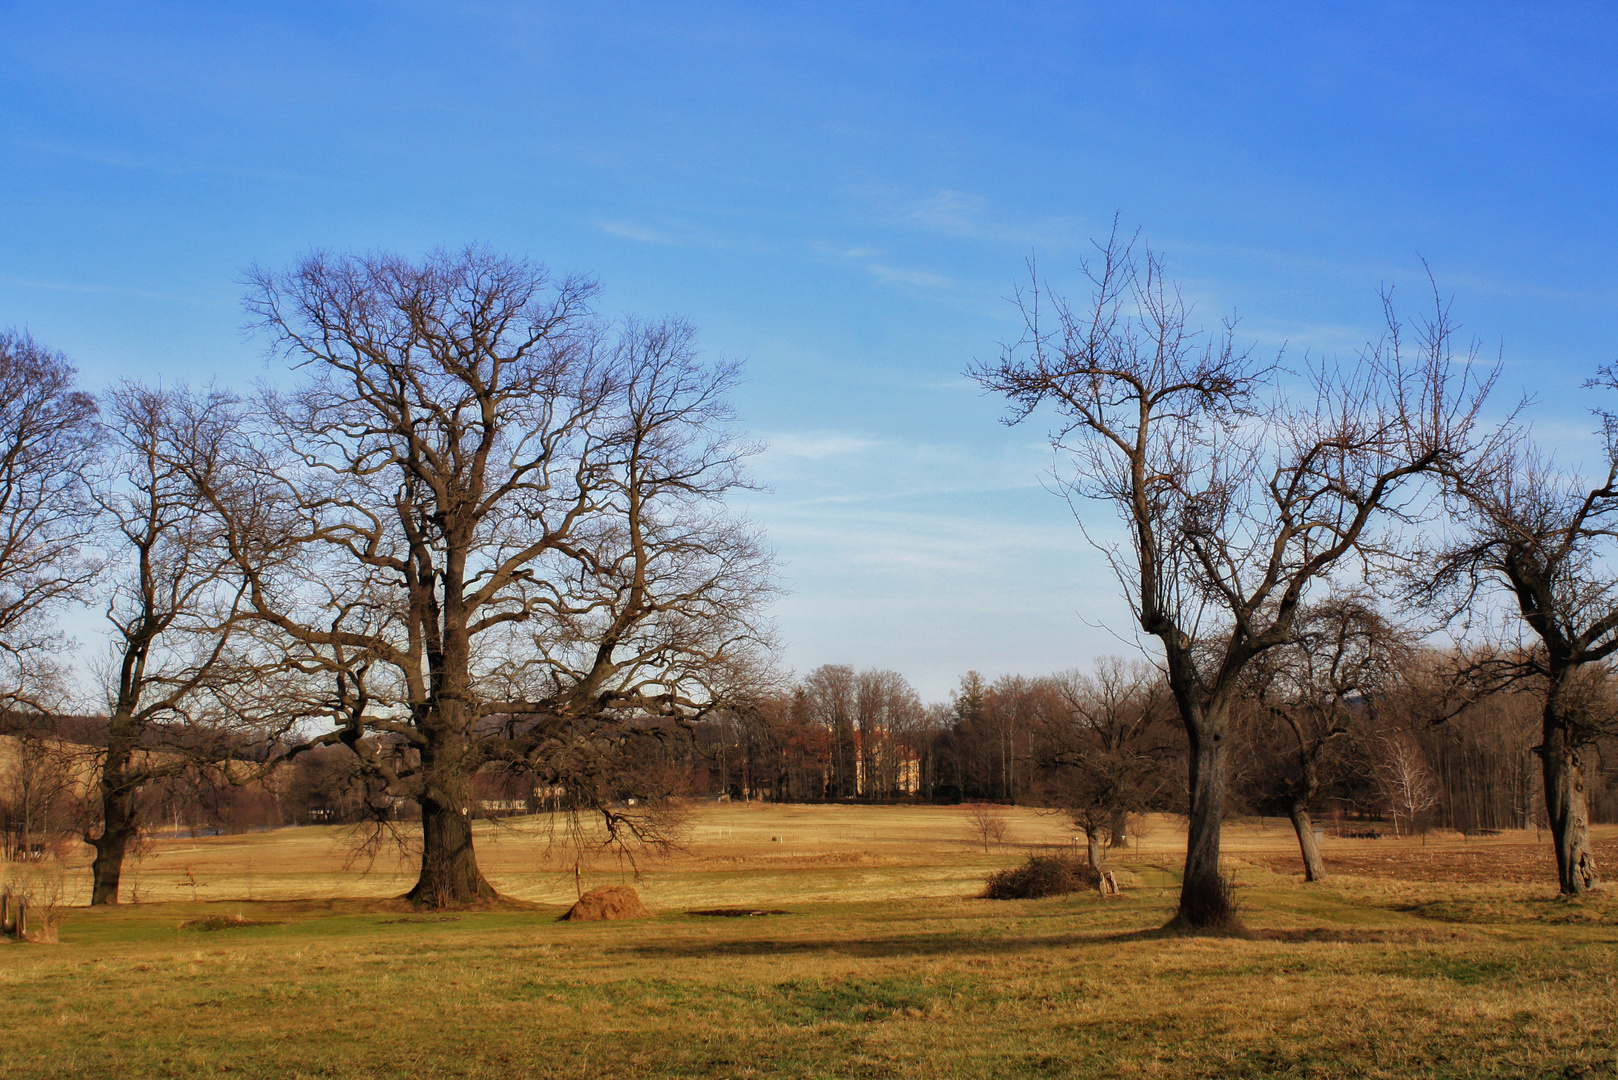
point(629, 231)
point(923, 542)
point(1407, 272)
point(946, 586)
point(897, 275)
point(818, 445)
point(1573, 442)
point(960, 215)
point(816, 470)
point(1300, 337)
point(919, 278)
point(951, 213)
point(857, 252)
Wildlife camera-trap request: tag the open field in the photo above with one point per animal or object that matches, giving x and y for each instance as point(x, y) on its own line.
point(1449, 959)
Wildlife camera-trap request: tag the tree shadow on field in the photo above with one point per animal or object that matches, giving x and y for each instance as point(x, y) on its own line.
point(943, 944)
point(934, 945)
point(1346, 935)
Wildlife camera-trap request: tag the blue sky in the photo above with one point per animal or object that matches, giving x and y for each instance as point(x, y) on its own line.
point(843, 195)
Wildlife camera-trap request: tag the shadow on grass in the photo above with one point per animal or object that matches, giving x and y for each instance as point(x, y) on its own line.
point(909, 945)
point(937, 945)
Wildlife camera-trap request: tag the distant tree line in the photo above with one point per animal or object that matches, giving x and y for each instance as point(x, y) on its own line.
point(1100, 746)
point(1394, 744)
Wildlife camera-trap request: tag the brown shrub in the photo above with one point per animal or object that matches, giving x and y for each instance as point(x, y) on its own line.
point(1041, 875)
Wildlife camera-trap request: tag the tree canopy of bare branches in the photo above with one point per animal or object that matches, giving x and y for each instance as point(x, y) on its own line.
point(47, 444)
point(183, 676)
point(503, 525)
point(1305, 697)
point(1547, 537)
point(1103, 745)
point(1235, 499)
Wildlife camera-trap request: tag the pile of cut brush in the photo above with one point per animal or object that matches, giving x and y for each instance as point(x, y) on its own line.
point(1042, 875)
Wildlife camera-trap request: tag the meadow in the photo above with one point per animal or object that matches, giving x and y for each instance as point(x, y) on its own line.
point(267, 955)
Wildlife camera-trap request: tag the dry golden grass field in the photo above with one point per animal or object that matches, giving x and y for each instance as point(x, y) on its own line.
point(1450, 958)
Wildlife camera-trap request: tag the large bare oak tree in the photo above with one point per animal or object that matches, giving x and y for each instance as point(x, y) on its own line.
point(512, 548)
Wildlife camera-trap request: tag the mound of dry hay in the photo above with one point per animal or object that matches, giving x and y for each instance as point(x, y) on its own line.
point(1041, 875)
point(612, 902)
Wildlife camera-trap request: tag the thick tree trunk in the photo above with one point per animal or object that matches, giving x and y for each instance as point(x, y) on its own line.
point(1205, 897)
point(449, 865)
point(108, 867)
point(118, 819)
point(1567, 808)
point(1092, 838)
point(1313, 868)
point(1120, 830)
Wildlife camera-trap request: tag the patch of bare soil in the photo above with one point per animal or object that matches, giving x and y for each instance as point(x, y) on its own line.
point(737, 913)
point(1481, 862)
point(223, 922)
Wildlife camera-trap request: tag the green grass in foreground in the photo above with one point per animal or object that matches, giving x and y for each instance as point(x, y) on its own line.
point(1337, 981)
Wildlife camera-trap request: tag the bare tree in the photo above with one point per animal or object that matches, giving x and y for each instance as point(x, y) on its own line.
point(830, 691)
point(38, 795)
point(512, 549)
point(1307, 695)
point(1405, 778)
point(1547, 536)
point(180, 665)
point(47, 444)
point(887, 710)
point(1102, 748)
point(987, 823)
point(1486, 762)
point(32, 896)
point(1234, 505)
point(786, 749)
